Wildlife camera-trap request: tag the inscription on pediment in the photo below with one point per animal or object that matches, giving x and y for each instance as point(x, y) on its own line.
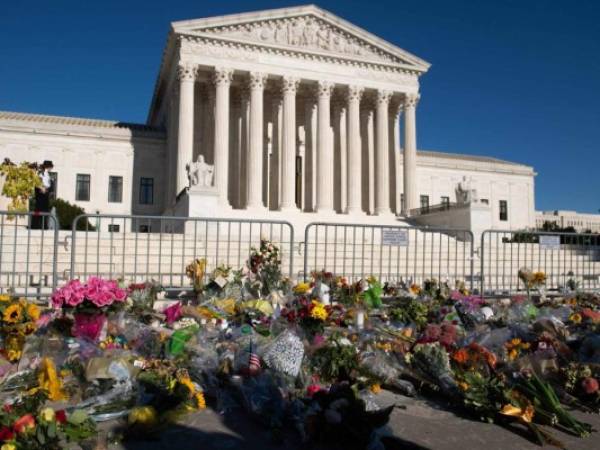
point(306, 32)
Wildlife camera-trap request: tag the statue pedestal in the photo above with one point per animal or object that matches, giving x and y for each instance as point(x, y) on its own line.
point(198, 202)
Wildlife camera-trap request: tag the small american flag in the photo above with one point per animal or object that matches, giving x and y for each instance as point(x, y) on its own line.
point(253, 361)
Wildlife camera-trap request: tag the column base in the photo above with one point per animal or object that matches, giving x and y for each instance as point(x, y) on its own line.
point(289, 209)
point(324, 210)
point(356, 212)
point(383, 212)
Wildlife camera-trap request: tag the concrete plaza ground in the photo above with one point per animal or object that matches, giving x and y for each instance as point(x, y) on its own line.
point(419, 424)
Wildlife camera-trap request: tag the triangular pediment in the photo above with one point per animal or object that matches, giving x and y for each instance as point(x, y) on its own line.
point(307, 29)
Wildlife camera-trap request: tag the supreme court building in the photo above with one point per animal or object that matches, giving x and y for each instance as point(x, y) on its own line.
point(290, 114)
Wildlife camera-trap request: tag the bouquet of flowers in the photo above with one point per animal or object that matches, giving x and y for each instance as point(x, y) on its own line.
point(89, 303)
point(20, 183)
point(263, 269)
point(17, 320)
point(143, 296)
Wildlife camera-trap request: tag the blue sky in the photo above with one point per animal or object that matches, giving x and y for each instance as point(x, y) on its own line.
point(514, 79)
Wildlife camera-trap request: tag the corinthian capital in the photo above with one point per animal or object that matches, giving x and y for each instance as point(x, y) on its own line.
point(324, 89)
point(222, 76)
point(354, 93)
point(383, 97)
point(257, 80)
point(411, 100)
point(186, 72)
point(289, 84)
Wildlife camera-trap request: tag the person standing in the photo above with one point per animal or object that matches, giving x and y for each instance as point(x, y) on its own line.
point(42, 196)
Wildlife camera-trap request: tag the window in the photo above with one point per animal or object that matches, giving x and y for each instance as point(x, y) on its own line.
point(485, 201)
point(113, 228)
point(144, 228)
point(424, 202)
point(402, 202)
point(503, 210)
point(53, 185)
point(146, 191)
point(445, 201)
point(115, 189)
point(82, 188)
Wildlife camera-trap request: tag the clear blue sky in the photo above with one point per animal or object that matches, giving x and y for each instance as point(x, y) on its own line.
point(514, 79)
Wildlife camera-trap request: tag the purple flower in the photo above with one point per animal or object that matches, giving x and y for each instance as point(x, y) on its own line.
point(173, 313)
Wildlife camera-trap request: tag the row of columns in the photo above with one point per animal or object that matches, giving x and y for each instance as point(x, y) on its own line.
point(253, 172)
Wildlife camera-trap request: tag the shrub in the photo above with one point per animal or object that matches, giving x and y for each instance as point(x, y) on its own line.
point(67, 212)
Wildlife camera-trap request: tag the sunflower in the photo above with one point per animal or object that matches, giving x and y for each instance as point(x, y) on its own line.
point(188, 383)
point(13, 313)
point(200, 401)
point(4, 298)
point(33, 311)
point(13, 355)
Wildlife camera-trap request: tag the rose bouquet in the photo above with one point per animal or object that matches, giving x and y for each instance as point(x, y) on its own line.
point(89, 303)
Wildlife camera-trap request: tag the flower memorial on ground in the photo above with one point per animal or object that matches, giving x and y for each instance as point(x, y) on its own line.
point(310, 357)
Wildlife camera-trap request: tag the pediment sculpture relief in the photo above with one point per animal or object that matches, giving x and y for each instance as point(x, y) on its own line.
point(304, 31)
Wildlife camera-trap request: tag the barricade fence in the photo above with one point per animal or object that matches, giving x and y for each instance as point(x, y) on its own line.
point(567, 259)
point(392, 253)
point(28, 253)
point(140, 248)
point(35, 256)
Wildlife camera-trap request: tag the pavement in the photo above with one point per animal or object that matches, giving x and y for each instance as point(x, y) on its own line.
point(415, 424)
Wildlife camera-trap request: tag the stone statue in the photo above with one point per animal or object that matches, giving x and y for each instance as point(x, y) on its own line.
point(199, 173)
point(465, 194)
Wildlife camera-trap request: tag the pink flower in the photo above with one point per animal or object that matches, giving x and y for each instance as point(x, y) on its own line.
point(456, 295)
point(590, 385)
point(313, 389)
point(173, 313)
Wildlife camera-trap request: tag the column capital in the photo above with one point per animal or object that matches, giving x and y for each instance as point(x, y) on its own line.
point(383, 97)
point(411, 100)
point(257, 80)
point(354, 93)
point(289, 84)
point(324, 89)
point(244, 93)
point(222, 76)
point(186, 72)
point(396, 108)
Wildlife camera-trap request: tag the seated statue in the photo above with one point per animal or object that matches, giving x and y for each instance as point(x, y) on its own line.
point(200, 173)
point(465, 193)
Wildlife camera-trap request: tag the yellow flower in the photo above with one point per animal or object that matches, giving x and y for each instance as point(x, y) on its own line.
point(49, 381)
point(301, 288)
point(13, 313)
point(13, 355)
point(463, 386)
point(525, 345)
point(318, 311)
point(575, 318)
point(375, 388)
point(200, 401)
point(8, 446)
point(33, 311)
point(188, 383)
point(512, 355)
point(143, 415)
point(515, 342)
point(47, 414)
point(415, 289)
point(28, 328)
point(4, 298)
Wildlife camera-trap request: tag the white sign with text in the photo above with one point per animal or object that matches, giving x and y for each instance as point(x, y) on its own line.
point(395, 237)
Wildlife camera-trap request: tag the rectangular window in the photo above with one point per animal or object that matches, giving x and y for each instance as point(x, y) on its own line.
point(424, 203)
point(53, 185)
point(115, 189)
point(113, 228)
point(503, 210)
point(402, 202)
point(445, 201)
point(146, 191)
point(144, 228)
point(82, 188)
point(485, 201)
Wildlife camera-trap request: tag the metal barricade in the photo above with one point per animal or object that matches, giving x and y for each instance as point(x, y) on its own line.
point(140, 248)
point(565, 258)
point(28, 253)
point(391, 253)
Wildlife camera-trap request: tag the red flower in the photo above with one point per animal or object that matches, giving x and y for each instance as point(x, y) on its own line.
point(24, 423)
point(6, 434)
point(590, 385)
point(7, 407)
point(61, 416)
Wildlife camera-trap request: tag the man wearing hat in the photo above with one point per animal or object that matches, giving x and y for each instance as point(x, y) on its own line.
point(42, 195)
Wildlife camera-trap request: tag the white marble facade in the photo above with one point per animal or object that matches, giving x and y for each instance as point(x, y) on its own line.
point(295, 110)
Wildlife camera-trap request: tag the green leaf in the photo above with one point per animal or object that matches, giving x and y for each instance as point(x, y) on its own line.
point(78, 417)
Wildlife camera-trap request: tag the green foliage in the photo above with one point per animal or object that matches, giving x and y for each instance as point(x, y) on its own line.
point(67, 212)
point(337, 360)
point(372, 296)
point(19, 184)
point(410, 310)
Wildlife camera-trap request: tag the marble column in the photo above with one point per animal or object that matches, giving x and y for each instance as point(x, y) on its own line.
point(353, 96)
point(185, 136)
point(394, 152)
point(324, 149)
point(245, 144)
point(340, 155)
point(310, 127)
point(255, 160)
point(287, 183)
point(411, 196)
point(382, 183)
point(222, 81)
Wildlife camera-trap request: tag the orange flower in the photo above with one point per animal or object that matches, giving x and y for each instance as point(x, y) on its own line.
point(461, 356)
point(25, 423)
